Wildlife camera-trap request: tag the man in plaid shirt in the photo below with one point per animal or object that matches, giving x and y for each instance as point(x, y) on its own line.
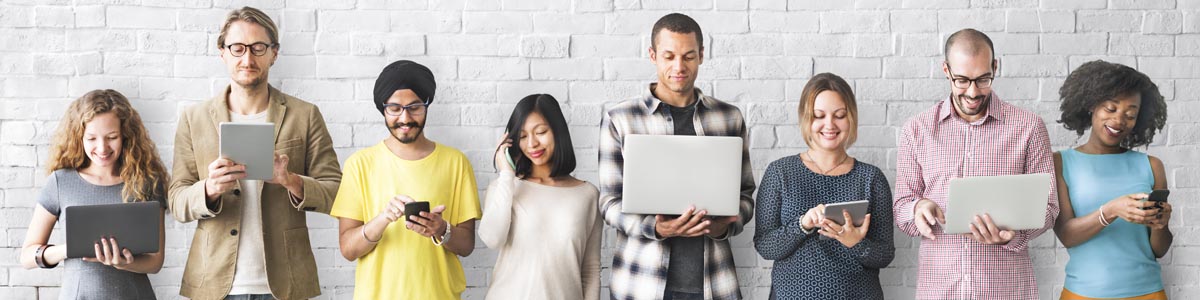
point(672, 257)
point(971, 133)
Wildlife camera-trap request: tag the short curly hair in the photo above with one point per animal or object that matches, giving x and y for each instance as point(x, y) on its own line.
point(1097, 81)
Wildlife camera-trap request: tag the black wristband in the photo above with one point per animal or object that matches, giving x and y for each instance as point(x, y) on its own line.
point(39, 256)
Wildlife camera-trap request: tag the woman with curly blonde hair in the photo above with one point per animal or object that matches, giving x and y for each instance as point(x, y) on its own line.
point(101, 154)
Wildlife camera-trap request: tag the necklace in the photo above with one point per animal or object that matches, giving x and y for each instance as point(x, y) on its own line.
point(823, 171)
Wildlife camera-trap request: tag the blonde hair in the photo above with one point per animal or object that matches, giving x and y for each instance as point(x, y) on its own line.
point(139, 165)
point(251, 15)
point(808, 98)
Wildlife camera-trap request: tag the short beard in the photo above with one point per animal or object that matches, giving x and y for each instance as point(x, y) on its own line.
point(418, 127)
point(253, 84)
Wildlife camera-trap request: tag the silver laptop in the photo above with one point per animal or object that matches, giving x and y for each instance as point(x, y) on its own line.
point(664, 174)
point(1015, 202)
point(250, 144)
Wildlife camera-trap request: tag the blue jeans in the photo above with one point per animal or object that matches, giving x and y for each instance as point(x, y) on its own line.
point(250, 297)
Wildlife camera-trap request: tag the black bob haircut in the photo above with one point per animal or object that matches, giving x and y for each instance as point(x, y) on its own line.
point(562, 161)
point(677, 23)
point(1098, 81)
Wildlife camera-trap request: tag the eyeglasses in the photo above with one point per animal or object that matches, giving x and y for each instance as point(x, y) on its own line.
point(239, 49)
point(982, 82)
point(415, 109)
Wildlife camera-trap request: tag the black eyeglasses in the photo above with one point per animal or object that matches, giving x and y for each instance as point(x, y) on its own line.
point(982, 82)
point(415, 109)
point(258, 49)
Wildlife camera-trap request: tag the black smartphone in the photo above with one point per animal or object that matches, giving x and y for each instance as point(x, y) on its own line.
point(512, 154)
point(1159, 195)
point(415, 208)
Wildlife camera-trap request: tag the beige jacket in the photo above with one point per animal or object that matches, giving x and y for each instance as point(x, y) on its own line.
point(291, 269)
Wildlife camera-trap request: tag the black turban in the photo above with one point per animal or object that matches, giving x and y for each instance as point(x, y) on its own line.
point(404, 74)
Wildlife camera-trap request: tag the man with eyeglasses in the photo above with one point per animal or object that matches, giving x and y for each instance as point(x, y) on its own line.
point(402, 253)
point(251, 241)
point(971, 133)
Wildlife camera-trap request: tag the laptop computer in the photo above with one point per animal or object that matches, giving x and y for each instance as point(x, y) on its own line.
point(135, 226)
point(664, 174)
point(1015, 202)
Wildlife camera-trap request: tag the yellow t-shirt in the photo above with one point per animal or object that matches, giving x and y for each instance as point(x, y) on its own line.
point(406, 265)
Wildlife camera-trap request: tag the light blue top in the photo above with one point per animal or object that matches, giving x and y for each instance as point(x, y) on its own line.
point(1117, 262)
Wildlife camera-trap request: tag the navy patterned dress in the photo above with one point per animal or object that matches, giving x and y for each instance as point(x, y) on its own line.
point(806, 265)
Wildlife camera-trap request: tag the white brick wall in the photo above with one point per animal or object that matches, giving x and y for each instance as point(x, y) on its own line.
point(588, 53)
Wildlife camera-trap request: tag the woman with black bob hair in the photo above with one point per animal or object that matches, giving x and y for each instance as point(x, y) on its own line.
point(544, 222)
point(1113, 235)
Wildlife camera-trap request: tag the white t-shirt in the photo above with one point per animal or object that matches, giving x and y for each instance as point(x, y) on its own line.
point(250, 274)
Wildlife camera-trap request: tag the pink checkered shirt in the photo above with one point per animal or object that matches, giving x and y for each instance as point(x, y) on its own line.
point(936, 146)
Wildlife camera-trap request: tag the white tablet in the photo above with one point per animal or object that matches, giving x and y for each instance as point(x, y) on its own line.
point(1015, 202)
point(250, 144)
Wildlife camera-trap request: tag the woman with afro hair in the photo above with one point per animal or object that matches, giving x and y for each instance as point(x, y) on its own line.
point(1113, 235)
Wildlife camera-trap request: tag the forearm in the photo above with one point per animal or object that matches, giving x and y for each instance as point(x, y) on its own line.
point(879, 247)
point(632, 225)
point(53, 256)
point(905, 219)
point(591, 264)
point(777, 237)
point(321, 175)
point(1074, 231)
point(353, 241)
point(777, 242)
point(745, 213)
point(188, 201)
point(910, 184)
point(497, 212)
point(874, 252)
point(295, 186)
point(149, 263)
point(1160, 241)
point(315, 194)
point(462, 240)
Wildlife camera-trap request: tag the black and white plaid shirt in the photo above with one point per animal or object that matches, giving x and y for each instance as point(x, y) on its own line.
point(639, 268)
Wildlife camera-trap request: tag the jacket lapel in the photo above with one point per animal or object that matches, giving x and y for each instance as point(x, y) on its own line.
point(276, 110)
point(218, 110)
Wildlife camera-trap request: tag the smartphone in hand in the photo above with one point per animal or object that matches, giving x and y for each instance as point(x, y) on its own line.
point(511, 163)
point(1158, 197)
point(415, 208)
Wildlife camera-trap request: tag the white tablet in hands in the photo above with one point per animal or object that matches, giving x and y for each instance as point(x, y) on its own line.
point(250, 144)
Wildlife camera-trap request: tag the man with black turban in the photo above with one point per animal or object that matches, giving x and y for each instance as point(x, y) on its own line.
point(418, 258)
point(405, 78)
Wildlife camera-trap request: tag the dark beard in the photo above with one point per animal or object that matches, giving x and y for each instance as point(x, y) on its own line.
point(418, 127)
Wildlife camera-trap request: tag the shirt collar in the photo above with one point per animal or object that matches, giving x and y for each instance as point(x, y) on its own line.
point(653, 104)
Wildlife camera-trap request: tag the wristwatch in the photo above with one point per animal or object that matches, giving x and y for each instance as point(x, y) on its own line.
point(446, 236)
